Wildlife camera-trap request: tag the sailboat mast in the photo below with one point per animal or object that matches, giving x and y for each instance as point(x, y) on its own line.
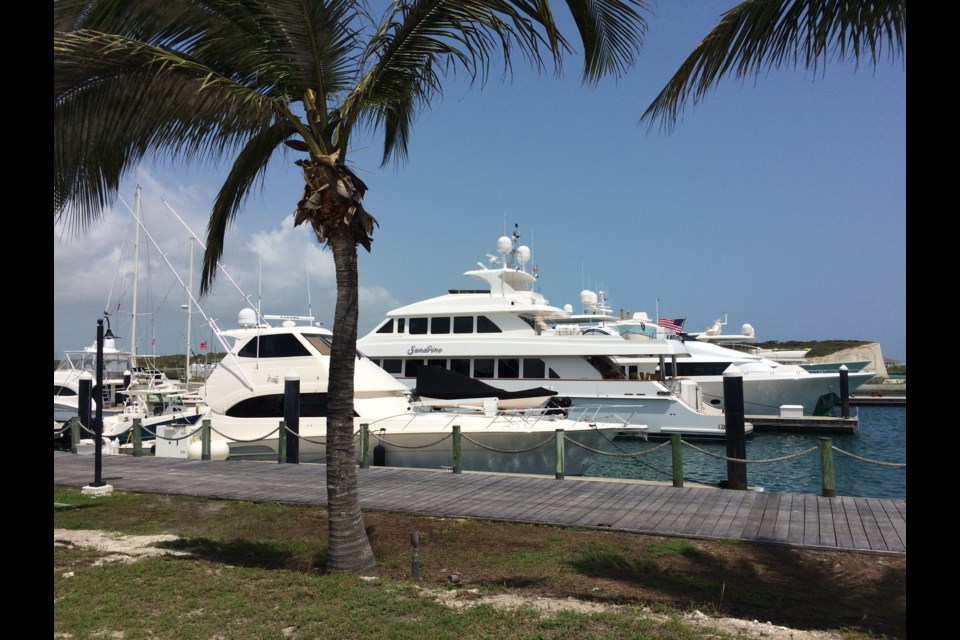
point(189, 309)
point(136, 274)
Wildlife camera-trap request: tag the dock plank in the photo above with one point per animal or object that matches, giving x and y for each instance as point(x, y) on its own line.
point(846, 523)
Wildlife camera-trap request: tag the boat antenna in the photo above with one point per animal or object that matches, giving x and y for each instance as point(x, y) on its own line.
point(243, 294)
point(136, 276)
point(210, 321)
point(309, 303)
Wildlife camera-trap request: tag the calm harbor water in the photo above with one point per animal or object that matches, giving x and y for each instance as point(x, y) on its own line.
point(881, 437)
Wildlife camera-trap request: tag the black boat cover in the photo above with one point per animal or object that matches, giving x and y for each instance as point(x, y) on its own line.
point(443, 384)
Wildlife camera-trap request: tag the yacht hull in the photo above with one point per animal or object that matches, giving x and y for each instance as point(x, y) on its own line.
point(764, 394)
point(491, 443)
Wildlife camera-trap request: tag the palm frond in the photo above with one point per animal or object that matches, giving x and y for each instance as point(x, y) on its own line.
point(767, 34)
point(116, 100)
point(247, 170)
point(612, 34)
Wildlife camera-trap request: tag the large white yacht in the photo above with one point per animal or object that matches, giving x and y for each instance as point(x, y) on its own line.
point(510, 336)
point(768, 385)
point(245, 394)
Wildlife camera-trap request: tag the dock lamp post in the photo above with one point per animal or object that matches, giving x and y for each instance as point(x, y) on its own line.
point(99, 486)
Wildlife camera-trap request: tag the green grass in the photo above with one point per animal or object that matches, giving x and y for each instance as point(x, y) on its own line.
point(256, 571)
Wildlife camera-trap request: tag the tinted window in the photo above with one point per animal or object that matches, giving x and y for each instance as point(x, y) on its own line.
point(411, 368)
point(284, 345)
point(320, 343)
point(386, 327)
point(508, 368)
point(483, 368)
point(392, 365)
point(418, 325)
point(438, 363)
point(463, 324)
point(400, 323)
point(460, 365)
point(440, 325)
point(486, 325)
point(312, 405)
point(65, 391)
point(533, 368)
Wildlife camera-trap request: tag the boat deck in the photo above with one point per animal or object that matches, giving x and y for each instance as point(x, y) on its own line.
point(802, 520)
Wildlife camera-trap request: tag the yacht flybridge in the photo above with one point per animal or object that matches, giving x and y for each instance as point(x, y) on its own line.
point(509, 336)
point(245, 394)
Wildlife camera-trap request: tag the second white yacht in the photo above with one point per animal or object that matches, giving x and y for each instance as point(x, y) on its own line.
point(509, 336)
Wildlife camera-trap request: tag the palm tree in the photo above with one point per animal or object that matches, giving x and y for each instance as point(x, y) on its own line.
point(200, 80)
point(765, 34)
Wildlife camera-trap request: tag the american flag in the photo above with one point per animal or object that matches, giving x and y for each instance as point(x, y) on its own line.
point(673, 325)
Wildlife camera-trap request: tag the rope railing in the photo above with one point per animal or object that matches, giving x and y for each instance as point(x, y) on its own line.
point(560, 438)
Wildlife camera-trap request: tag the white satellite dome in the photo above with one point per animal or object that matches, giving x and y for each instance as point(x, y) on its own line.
point(247, 318)
point(504, 244)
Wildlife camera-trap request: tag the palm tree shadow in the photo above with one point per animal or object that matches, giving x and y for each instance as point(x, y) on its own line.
point(243, 553)
point(788, 589)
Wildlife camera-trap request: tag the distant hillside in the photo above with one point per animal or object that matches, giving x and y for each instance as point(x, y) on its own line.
point(817, 348)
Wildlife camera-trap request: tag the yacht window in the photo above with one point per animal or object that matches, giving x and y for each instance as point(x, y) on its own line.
point(440, 325)
point(64, 391)
point(400, 323)
point(697, 368)
point(508, 368)
point(392, 365)
point(321, 344)
point(533, 368)
point(411, 368)
point(554, 374)
point(463, 324)
point(418, 325)
point(483, 368)
point(486, 325)
point(312, 405)
point(438, 363)
point(607, 369)
point(284, 345)
point(386, 327)
point(460, 365)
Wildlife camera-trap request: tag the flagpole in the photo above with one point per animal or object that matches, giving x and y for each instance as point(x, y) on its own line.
point(658, 310)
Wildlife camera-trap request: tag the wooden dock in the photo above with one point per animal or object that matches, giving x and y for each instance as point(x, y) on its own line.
point(804, 424)
point(805, 520)
point(882, 400)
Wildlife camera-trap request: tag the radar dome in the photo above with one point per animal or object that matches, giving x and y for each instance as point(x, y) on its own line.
point(588, 298)
point(247, 318)
point(504, 244)
point(568, 308)
point(747, 330)
point(524, 253)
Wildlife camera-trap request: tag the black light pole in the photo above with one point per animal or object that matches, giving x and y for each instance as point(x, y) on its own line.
point(98, 420)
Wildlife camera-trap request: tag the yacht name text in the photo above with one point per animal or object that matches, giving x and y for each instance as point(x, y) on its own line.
point(425, 350)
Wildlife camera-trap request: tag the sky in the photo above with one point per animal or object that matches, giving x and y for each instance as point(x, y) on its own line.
point(779, 201)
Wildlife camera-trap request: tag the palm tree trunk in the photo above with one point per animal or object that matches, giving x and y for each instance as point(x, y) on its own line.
point(348, 548)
